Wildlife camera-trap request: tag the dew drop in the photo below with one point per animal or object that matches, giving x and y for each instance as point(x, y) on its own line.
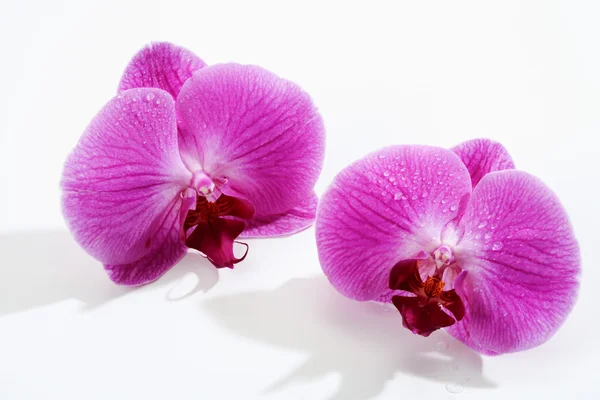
point(384, 193)
point(157, 101)
point(414, 197)
point(546, 305)
point(150, 96)
point(454, 388)
point(482, 224)
point(442, 346)
point(497, 246)
point(397, 196)
point(386, 173)
point(453, 208)
point(392, 179)
point(487, 235)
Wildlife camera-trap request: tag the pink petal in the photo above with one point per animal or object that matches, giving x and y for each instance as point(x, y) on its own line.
point(387, 207)
point(258, 132)
point(160, 65)
point(154, 264)
point(523, 262)
point(482, 156)
point(122, 182)
point(295, 220)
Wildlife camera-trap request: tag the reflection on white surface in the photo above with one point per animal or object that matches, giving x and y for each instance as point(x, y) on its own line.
point(42, 268)
point(363, 342)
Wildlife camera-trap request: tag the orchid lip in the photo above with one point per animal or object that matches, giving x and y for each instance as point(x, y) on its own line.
point(213, 227)
point(425, 278)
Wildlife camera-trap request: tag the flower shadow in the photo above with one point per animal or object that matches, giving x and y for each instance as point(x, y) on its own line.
point(363, 342)
point(42, 268)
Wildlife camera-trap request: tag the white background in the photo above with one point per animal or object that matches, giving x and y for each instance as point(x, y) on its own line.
point(526, 73)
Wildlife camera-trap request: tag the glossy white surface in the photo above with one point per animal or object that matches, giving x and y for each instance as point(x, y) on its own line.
point(521, 72)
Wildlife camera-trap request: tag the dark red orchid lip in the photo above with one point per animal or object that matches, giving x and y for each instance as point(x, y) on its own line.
point(424, 313)
point(216, 226)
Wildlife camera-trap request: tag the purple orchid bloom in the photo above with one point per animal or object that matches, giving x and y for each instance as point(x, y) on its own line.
point(454, 239)
point(189, 156)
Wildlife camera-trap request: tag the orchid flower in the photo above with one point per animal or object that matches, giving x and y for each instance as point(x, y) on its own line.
point(189, 156)
point(454, 239)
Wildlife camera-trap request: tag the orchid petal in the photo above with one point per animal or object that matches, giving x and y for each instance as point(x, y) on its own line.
point(259, 133)
point(387, 207)
point(292, 221)
point(523, 263)
point(160, 65)
point(154, 264)
point(482, 156)
point(122, 182)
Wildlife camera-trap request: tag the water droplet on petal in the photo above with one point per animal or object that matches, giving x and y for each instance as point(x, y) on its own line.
point(546, 304)
point(386, 173)
point(397, 196)
point(149, 96)
point(482, 224)
point(453, 208)
point(454, 387)
point(414, 197)
point(497, 246)
point(487, 235)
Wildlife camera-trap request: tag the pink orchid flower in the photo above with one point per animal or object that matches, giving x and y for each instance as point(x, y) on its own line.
point(454, 239)
point(189, 156)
